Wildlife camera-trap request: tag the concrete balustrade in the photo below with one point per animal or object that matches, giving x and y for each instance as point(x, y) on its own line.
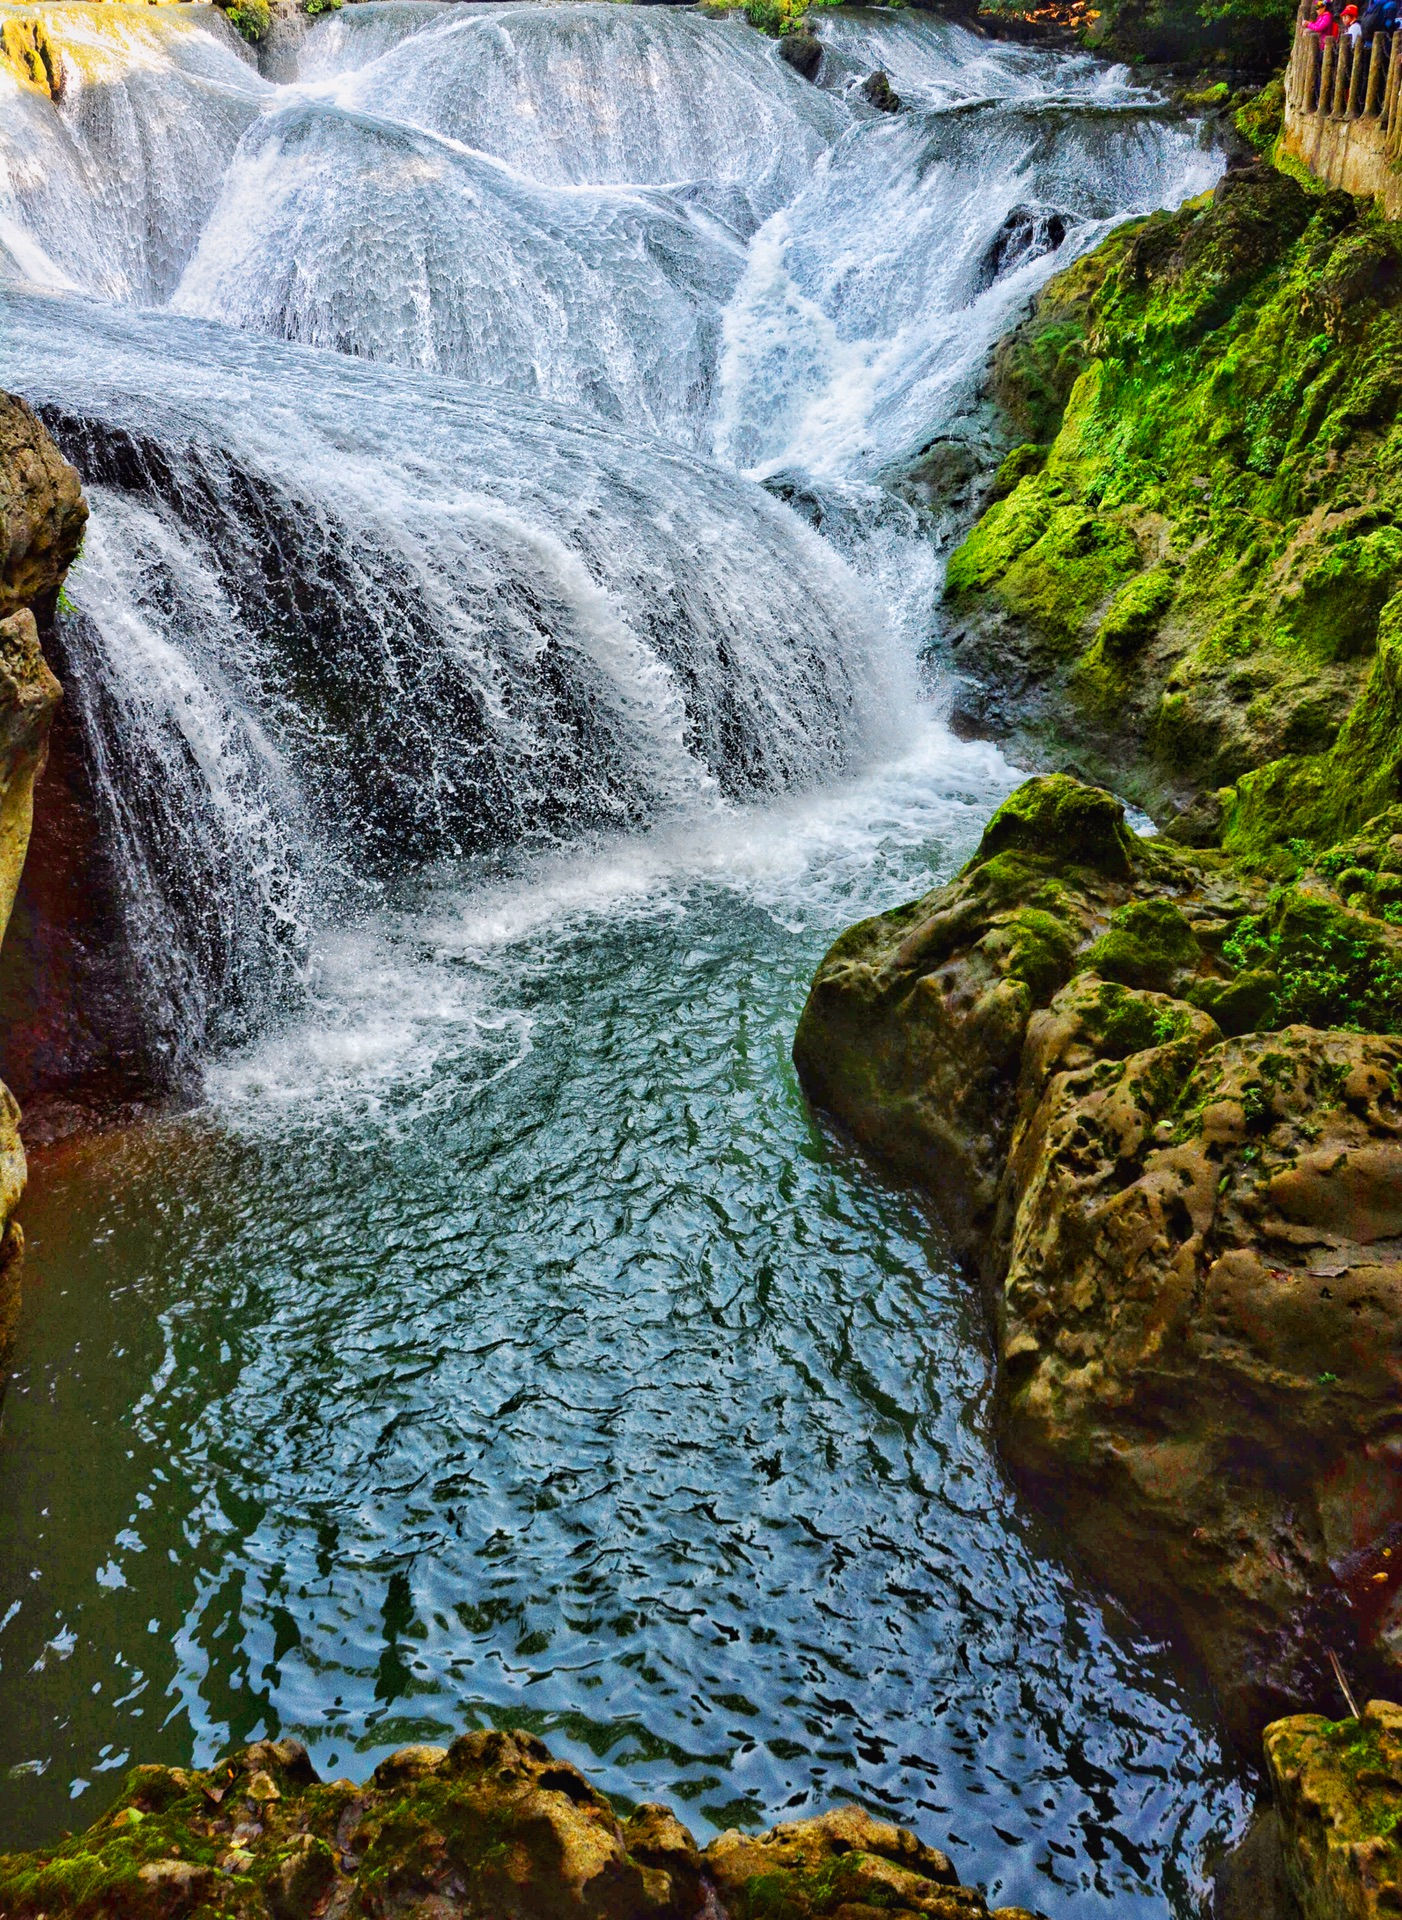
point(1343, 112)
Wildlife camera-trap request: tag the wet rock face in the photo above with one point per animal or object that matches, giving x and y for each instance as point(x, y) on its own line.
point(1337, 1788)
point(30, 55)
point(1192, 578)
point(42, 513)
point(492, 1827)
point(1111, 1063)
point(803, 51)
point(878, 92)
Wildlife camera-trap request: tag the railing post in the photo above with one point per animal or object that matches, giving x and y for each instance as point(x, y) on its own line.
point(1394, 75)
point(1377, 68)
point(1356, 66)
point(1342, 62)
point(1329, 53)
point(1298, 65)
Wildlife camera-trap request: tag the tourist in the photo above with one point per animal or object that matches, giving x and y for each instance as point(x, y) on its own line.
point(1372, 20)
point(1326, 26)
point(1353, 26)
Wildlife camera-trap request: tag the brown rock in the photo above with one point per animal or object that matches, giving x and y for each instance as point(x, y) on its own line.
point(495, 1826)
point(1190, 1237)
point(42, 513)
point(843, 1862)
point(29, 695)
point(1338, 1800)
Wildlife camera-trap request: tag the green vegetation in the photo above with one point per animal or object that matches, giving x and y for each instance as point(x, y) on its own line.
point(1252, 33)
point(251, 18)
point(1060, 886)
point(774, 17)
point(1207, 559)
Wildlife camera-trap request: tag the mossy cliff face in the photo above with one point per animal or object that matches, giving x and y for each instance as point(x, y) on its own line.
point(1192, 582)
point(1337, 1788)
point(492, 1827)
point(42, 515)
point(1159, 1101)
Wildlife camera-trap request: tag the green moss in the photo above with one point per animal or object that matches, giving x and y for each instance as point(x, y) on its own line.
point(1061, 821)
point(1336, 608)
point(1136, 610)
point(251, 18)
point(1333, 967)
point(1028, 458)
point(797, 1893)
point(1233, 417)
point(1239, 1005)
point(1319, 798)
point(1123, 1023)
point(1215, 95)
point(1261, 118)
point(1147, 944)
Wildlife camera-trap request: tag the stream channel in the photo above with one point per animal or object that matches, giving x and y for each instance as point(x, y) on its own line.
point(505, 662)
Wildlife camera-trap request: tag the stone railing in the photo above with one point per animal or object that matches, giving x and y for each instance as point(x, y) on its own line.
point(1343, 112)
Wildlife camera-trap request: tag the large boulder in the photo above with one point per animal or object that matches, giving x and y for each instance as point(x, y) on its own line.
point(1337, 1788)
point(42, 515)
point(1158, 1100)
point(492, 1826)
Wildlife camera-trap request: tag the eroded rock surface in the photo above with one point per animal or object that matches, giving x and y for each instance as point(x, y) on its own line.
point(1159, 1100)
point(492, 1827)
point(42, 515)
point(1337, 1787)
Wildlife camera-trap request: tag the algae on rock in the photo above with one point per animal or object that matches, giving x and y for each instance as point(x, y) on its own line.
point(1200, 583)
point(491, 1828)
point(1337, 1787)
point(1186, 1205)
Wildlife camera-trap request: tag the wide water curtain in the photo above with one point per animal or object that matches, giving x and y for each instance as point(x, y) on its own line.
point(490, 622)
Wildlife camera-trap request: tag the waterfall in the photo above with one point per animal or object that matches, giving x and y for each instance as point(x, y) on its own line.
point(355, 622)
point(413, 388)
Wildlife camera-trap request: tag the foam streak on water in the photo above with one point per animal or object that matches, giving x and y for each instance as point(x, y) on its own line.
point(500, 667)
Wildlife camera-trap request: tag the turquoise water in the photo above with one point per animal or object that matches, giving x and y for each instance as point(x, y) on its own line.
point(505, 1340)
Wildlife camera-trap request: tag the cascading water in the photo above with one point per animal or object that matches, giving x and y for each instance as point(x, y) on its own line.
point(498, 668)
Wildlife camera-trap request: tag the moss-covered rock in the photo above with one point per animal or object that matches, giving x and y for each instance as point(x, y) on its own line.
point(1337, 1787)
point(1157, 1096)
point(1199, 585)
point(491, 1828)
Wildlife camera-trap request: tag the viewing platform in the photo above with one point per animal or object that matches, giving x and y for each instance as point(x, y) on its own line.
point(1343, 117)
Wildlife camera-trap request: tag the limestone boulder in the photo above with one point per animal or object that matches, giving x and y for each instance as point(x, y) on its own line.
point(42, 513)
point(1158, 1100)
point(492, 1827)
point(1337, 1788)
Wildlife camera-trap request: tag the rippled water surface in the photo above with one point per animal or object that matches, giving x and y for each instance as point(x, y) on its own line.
point(508, 1341)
